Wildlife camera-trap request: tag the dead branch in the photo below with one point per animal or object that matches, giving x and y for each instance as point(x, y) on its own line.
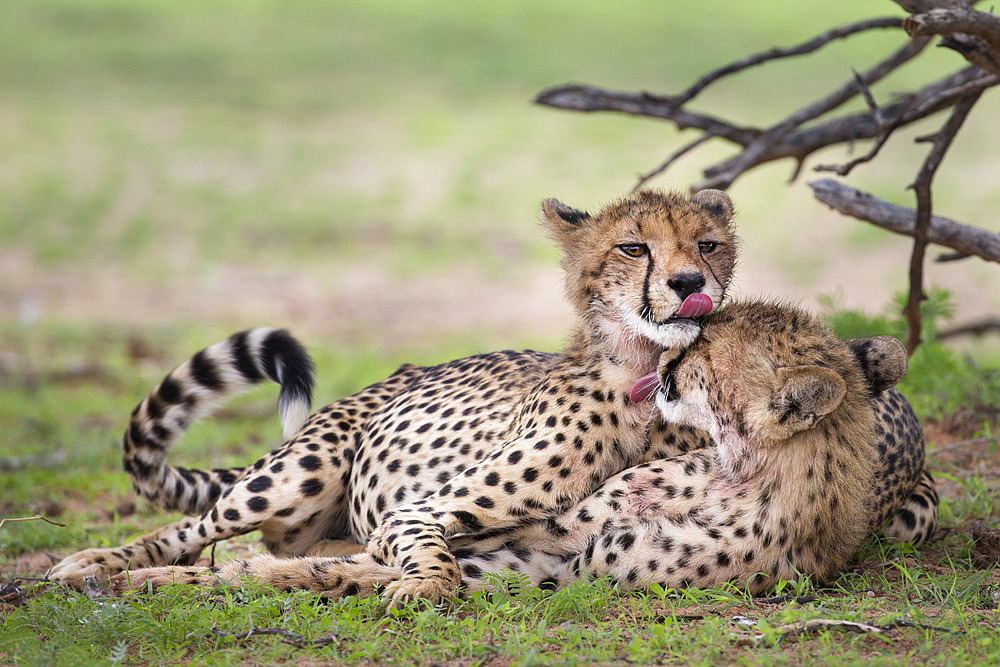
point(576, 97)
point(782, 599)
point(37, 517)
point(815, 625)
point(722, 176)
point(798, 144)
point(775, 53)
point(976, 35)
point(976, 328)
point(676, 155)
point(287, 636)
point(922, 187)
point(884, 132)
point(804, 142)
point(968, 21)
point(900, 220)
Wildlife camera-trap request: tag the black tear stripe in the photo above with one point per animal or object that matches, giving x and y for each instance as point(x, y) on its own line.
point(711, 270)
point(647, 307)
point(243, 357)
point(204, 372)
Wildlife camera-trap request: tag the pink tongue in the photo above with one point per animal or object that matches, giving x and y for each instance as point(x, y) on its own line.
point(644, 387)
point(695, 305)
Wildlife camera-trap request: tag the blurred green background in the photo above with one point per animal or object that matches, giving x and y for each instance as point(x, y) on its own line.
point(369, 174)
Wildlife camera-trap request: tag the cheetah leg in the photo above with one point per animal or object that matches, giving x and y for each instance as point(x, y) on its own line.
point(645, 492)
point(671, 553)
point(310, 505)
point(333, 577)
point(174, 543)
point(917, 518)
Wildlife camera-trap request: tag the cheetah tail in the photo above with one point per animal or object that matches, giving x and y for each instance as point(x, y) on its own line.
point(190, 391)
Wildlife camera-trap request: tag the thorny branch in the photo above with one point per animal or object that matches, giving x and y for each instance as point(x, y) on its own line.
point(973, 34)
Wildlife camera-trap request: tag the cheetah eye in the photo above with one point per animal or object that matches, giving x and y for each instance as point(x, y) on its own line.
point(633, 249)
point(708, 247)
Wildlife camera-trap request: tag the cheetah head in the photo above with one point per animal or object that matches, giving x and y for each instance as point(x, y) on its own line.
point(646, 268)
point(761, 373)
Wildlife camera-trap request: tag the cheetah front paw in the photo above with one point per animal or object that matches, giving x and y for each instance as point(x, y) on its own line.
point(151, 578)
point(83, 567)
point(433, 589)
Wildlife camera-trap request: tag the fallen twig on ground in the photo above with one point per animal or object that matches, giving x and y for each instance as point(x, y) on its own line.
point(37, 517)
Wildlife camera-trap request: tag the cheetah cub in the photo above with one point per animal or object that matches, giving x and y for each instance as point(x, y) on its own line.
point(786, 489)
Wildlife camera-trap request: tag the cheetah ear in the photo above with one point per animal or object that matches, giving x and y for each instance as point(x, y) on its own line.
point(562, 220)
point(716, 202)
point(805, 394)
point(883, 361)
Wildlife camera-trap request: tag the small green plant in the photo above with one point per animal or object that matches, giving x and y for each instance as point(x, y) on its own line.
point(939, 380)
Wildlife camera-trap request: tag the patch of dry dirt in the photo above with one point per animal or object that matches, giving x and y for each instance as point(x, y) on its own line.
point(353, 304)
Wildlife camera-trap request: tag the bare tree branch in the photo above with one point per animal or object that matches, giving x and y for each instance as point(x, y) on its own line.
point(676, 155)
point(977, 38)
point(884, 132)
point(576, 97)
point(800, 144)
point(975, 328)
point(922, 187)
point(722, 177)
point(287, 636)
point(813, 44)
point(968, 21)
point(900, 220)
point(37, 517)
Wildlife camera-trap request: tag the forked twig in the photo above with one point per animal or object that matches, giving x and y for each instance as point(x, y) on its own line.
point(37, 517)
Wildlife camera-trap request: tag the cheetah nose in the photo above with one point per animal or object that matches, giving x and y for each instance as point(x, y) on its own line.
point(686, 284)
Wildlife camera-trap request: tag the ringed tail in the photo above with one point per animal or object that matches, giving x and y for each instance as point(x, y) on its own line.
point(191, 391)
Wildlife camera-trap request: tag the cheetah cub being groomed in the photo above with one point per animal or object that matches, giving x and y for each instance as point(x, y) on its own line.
point(785, 490)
